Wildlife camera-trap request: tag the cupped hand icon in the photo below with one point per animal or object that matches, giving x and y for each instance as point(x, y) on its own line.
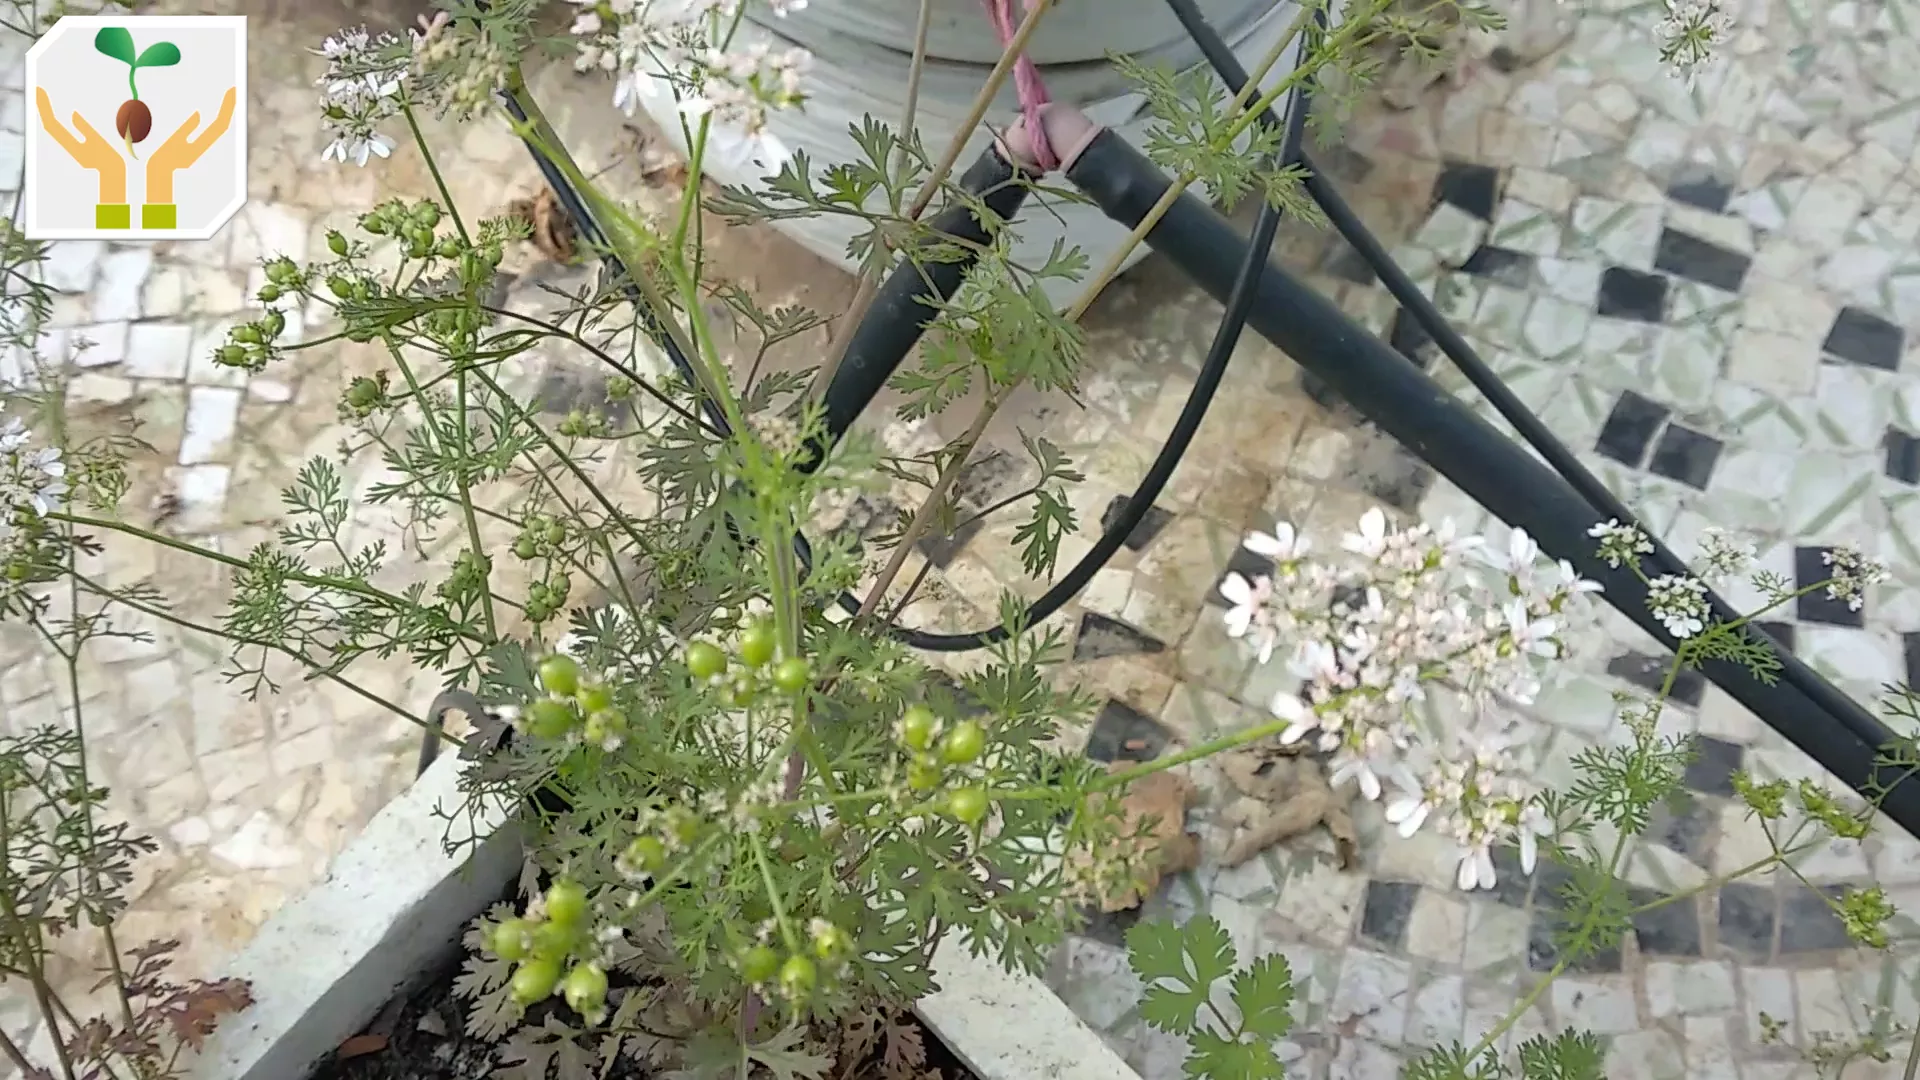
point(183, 148)
point(88, 149)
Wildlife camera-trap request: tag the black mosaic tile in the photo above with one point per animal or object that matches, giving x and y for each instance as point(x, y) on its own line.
point(1713, 765)
point(1700, 260)
point(1633, 294)
point(1248, 565)
point(1411, 340)
point(1810, 568)
point(1101, 637)
point(1910, 644)
point(1707, 194)
point(1543, 948)
point(1685, 825)
point(1348, 265)
point(1780, 632)
point(1388, 907)
point(1630, 428)
point(1144, 532)
point(1124, 733)
point(1109, 927)
point(1747, 919)
point(1861, 337)
point(1672, 929)
point(1808, 922)
point(1903, 456)
point(1473, 188)
point(1685, 455)
point(1649, 673)
point(941, 550)
point(1500, 264)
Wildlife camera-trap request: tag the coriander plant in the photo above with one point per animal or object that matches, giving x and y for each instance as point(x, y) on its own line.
point(751, 817)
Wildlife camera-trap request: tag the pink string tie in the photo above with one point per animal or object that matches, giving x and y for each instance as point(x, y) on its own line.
point(1026, 81)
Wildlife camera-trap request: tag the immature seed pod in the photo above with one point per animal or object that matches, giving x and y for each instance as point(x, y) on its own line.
point(134, 121)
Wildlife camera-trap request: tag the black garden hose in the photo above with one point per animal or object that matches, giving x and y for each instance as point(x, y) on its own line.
point(1403, 402)
point(912, 296)
point(1239, 298)
point(1605, 504)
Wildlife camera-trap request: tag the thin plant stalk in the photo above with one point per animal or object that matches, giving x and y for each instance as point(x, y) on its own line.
point(869, 286)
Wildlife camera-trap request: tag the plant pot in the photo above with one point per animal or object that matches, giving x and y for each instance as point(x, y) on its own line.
point(394, 904)
point(853, 76)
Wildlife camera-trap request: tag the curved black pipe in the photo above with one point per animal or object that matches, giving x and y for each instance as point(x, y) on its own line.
point(1403, 402)
point(911, 297)
point(1239, 299)
point(1527, 425)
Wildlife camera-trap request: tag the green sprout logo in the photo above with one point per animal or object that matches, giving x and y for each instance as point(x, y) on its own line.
point(134, 121)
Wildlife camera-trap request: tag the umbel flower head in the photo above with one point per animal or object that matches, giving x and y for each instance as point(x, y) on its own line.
point(361, 90)
point(1374, 632)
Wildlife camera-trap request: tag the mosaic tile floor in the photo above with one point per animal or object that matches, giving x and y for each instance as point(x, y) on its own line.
point(1711, 295)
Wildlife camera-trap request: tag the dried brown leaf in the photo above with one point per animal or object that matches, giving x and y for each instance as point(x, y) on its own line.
point(905, 1053)
point(193, 1011)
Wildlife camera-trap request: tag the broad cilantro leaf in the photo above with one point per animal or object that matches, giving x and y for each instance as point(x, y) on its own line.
point(1264, 995)
point(1179, 964)
point(1215, 1058)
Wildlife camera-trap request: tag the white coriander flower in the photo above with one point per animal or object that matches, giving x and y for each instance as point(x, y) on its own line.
point(1300, 719)
point(1680, 603)
point(1355, 766)
point(1248, 614)
point(1690, 32)
point(1407, 810)
point(1476, 868)
point(1621, 544)
point(1516, 561)
point(1532, 825)
point(362, 89)
point(1371, 540)
point(1851, 573)
point(30, 478)
point(1530, 635)
point(1721, 554)
point(1284, 546)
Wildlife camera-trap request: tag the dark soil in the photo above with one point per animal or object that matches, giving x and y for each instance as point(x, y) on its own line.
point(421, 1035)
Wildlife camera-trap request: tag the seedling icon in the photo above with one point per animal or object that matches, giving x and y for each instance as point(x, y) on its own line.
point(134, 121)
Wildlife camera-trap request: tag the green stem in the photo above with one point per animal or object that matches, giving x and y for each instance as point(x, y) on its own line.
point(318, 581)
point(312, 666)
point(774, 898)
point(433, 169)
point(58, 415)
point(464, 450)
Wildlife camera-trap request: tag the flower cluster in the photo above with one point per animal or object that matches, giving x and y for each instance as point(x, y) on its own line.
point(1412, 609)
point(1680, 603)
point(361, 90)
point(1850, 573)
point(689, 46)
point(1689, 33)
point(32, 482)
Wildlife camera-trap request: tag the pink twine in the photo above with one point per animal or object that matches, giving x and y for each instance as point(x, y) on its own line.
point(1026, 82)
